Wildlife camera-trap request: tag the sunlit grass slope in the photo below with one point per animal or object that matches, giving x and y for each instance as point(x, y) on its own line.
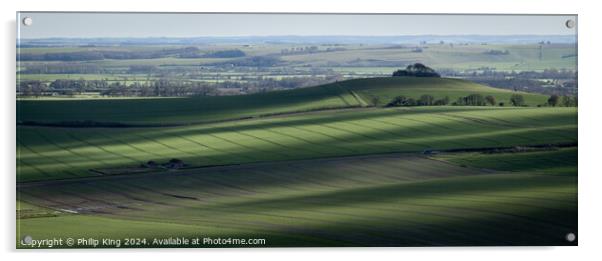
point(392, 200)
point(345, 94)
point(51, 153)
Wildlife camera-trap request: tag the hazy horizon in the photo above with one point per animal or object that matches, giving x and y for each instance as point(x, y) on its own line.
point(296, 35)
point(189, 25)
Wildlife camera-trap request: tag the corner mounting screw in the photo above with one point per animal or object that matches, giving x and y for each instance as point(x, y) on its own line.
point(27, 21)
point(570, 237)
point(570, 23)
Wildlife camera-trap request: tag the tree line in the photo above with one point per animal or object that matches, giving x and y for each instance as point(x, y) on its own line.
point(429, 100)
point(153, 88)
point(62, 68)
point(424, 100)
point(93, 55)
point(164, 86)
point(476, 99)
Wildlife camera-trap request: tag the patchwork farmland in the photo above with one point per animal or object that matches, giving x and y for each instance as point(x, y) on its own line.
point(317, 166)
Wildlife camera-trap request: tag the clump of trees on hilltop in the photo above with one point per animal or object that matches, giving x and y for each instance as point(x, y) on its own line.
point(417, 70)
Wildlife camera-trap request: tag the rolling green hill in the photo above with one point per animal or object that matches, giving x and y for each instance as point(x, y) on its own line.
point(339, 177)
point(383, 200)
point(56, 153)
point(345, 94)
point(387, 88)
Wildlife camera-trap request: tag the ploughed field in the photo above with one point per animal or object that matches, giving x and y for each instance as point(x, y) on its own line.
point(379, 200)
point(308, 167)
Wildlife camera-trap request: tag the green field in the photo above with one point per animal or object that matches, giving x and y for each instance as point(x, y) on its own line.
point(345, 94)
point(363, 201)
point(316, 166)
point(49, 153)
point(556, 162)
point(457, 57)
point(325, 65)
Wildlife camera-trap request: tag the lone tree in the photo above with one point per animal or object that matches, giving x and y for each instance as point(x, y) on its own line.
point(517, 100)
point(553, 100)
point(417, 70)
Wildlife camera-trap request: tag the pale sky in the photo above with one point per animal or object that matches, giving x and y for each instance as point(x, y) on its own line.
point(90, 25)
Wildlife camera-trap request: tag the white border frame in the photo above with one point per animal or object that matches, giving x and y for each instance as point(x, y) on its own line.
point(590, 93)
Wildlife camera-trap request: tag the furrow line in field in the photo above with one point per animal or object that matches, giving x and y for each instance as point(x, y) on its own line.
point(519, 125)
point(343, 150)
point(416, 130)
point(33, 166)
point(372, 171)
point(131, 146)
point(369, 137)
point(488, 124)
point(50, 141)
point(50, 158)
point(352, 225)
point(171, 148)
point(344, 177)
point(89, 143)
point(285, 147)
point(306, 128)
point(242, 155)
point(446, 117)
point(244, 146)
point(426, 123)
point(394, 134)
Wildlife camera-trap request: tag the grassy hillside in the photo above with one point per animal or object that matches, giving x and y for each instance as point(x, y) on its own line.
point(363, 201)
point(352, 93)
point(556, 162)
point(340, 177)
point(413, 87)
point(51, 153)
